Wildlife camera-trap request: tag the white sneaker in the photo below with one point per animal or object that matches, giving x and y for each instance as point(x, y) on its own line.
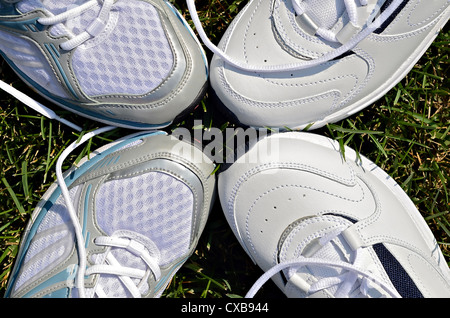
point(294, 63)
point(134, 64)
point(329, 226)
point(119, 224)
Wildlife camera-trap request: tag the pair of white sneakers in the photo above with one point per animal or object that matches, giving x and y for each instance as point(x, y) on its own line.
point(122, 223)
point(281, 63)
point(321, 223)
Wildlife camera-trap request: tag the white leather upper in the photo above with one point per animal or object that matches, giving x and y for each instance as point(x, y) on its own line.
point(307, 186)
point(266, 33)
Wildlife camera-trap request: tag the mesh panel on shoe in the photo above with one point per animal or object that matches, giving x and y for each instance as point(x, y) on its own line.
point(54, 6)
point(155, 205)
point(325, 12)
point(133, 57)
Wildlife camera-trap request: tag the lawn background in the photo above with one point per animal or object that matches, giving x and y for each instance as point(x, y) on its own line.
point(406, 133)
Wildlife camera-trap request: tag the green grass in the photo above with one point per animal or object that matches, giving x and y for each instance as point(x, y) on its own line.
point(406, 133)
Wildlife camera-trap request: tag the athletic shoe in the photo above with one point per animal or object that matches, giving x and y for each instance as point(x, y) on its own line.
point(298, 64)
point(134, 64)
point(136, 210)
point(327, 225)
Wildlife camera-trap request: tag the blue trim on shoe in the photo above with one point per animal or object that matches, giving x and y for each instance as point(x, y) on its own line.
point(52, 50)
point(164, 279)
point(70, 179)
point(67, 274)
point(26, 25)
point(85, 213)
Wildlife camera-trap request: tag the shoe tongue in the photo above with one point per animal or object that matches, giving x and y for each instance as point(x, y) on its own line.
point(336, 21)
point(306, 238)
point(326, 12)
point(302, 238)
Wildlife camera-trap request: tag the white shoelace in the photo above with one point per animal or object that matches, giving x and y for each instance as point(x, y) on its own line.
point(91, 31)
point(125, 274)
point(30, 102)
point(350, 6)
point(345, 281)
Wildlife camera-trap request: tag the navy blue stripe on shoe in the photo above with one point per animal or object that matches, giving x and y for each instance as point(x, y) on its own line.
point(397, 274)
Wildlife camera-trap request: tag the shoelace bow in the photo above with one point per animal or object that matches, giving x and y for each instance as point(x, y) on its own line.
point(346, 281)
point(300, 9)
point(351, 7)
